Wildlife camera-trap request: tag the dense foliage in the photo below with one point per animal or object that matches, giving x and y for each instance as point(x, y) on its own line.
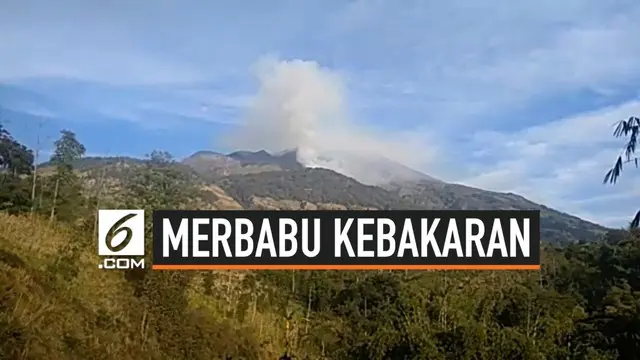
point(56, 304)
point(16, 161)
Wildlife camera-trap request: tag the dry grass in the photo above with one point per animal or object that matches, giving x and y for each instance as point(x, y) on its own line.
point(53, 295)
point(219, 199)
point(56, 304)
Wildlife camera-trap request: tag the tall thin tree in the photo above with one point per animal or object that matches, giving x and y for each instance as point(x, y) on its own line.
point(35, 167)
point(67, 150)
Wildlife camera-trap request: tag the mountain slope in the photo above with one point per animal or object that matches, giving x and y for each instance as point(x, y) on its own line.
point(310, 186)
point(258, 181)
point(370, 170)
point(213, 165)
point(326, 186)
point(555, 225)
point(366, 168)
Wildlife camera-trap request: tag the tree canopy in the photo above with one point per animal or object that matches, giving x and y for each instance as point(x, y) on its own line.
point(16, 161)
point(15, 158)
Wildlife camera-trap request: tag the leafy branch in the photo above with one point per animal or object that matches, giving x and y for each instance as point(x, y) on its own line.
point(626, 128)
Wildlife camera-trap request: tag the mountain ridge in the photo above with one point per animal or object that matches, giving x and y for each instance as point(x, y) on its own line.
point(259, 180)
point(371, 170)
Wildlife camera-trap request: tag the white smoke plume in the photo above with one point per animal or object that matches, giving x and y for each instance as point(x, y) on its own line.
point(300, 105)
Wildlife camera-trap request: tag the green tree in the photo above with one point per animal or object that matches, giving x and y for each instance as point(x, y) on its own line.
point(66, 198)
point(629, 128)
point(15, 158)
point(16, 162)
point(67, 150)
point(159, 184)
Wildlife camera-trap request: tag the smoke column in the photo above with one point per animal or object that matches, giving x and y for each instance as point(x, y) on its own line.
point(300, 105)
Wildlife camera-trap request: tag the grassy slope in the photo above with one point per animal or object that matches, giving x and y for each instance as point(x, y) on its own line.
point(57, 304)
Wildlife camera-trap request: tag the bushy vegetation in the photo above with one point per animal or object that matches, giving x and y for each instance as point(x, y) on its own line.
point(56, 304)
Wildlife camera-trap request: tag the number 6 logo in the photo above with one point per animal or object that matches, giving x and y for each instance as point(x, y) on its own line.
point(113, 224)
point(116, 229)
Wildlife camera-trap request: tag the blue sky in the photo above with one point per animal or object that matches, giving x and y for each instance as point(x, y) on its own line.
point(513, 96)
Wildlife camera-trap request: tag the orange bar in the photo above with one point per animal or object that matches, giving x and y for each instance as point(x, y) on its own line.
point(346, 267)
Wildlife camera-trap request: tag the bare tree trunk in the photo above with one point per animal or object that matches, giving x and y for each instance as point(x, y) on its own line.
point(41, 193)
point(306, 329)
point(35, 170)
point(230, 295)
point(99, 197)
point(143, 327)
point(55, 198)
point(33, 186)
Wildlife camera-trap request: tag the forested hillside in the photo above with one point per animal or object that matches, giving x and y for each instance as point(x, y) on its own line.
point(260, 185)
point(56, 304)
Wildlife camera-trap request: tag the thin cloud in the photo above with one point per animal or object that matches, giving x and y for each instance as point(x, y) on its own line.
point(561, 163)
point(471, 90)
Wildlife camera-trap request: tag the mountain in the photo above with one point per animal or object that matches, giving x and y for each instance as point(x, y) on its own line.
point(260, 180)
point(307, 188)
point(281, 181)
point(214, 165)
point(555, 225)
point(286, 160)
point(366, 169)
